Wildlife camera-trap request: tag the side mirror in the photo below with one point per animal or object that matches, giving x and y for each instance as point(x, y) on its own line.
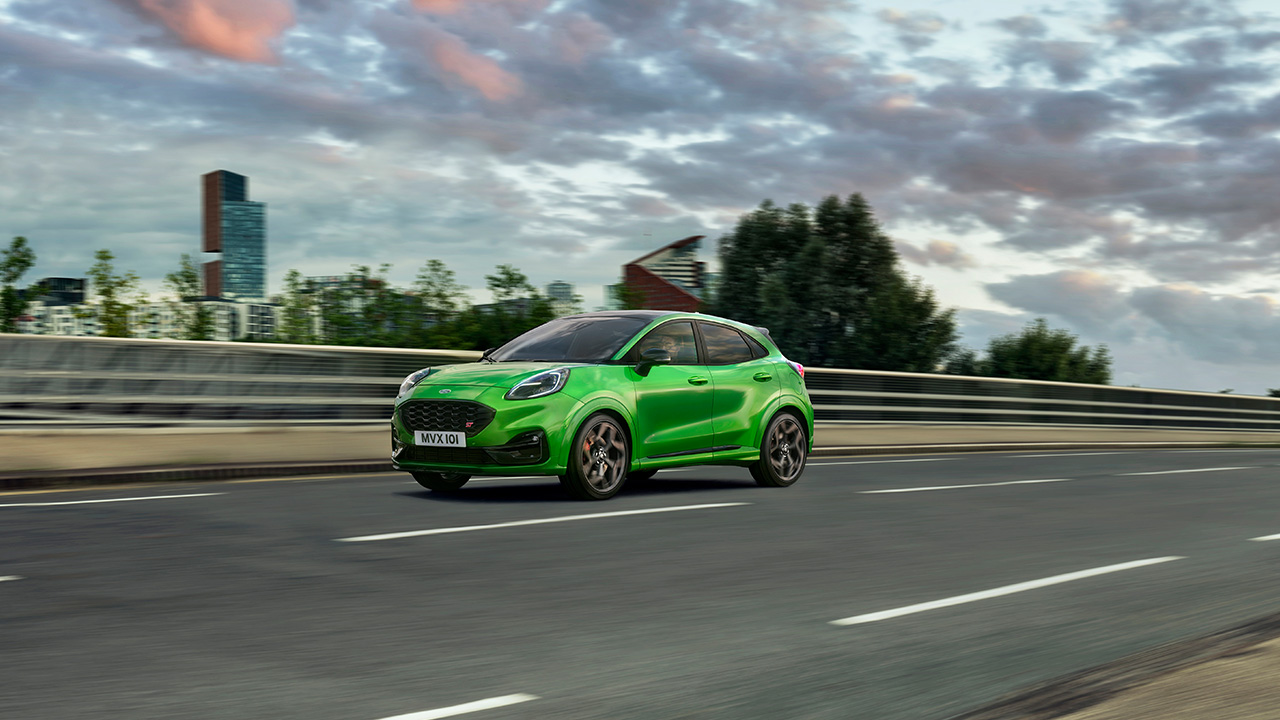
point(651, 357)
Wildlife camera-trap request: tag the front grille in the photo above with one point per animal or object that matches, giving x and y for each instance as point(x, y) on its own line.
point(445, 455)
point(453, 415)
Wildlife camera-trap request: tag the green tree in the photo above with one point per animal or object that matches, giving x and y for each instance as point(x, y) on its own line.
point(626, 295)
point(15, 261)
point(442, 295)
point(827, 282)
point(194, 318)
point(1039, 353)
point(296, 321)
point(110, 291)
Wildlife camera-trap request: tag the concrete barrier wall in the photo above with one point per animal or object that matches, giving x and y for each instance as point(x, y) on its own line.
point(47, 450)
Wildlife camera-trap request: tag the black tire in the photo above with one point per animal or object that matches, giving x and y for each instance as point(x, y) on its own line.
point(640, 475)
point(783, 452)
point(598, 459)
point(441, 482)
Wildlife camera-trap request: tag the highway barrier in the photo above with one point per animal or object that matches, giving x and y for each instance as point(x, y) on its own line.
point(103, 402)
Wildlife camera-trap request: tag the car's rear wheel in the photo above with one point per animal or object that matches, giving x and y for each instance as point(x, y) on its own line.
point(598, 460)
point(783, 452)
point(441, 482)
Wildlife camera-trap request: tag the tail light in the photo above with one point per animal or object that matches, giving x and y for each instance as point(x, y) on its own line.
point(797, 367)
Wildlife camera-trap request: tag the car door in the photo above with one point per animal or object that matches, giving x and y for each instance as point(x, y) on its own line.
point(673, 402)
point(745, 383)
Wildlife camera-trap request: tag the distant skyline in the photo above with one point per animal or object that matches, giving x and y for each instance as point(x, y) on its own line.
point(1110, 165)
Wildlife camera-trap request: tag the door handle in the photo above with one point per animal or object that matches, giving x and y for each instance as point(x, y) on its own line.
point(697, 380)
point(762, 377)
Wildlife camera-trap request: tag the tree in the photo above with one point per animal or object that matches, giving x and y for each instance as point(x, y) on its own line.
point(296, 322)
point(110, 291)
point(828, 284)
point(195, 320)
point(15, 261)
point(1038, 353)
point(627, 296)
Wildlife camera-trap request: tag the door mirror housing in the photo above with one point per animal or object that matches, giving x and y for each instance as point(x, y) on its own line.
point(651, 357)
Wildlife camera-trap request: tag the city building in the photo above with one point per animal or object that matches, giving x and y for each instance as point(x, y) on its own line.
point(231, 320)
point(669, 278)
point(236, 228)
point(57, 291)
point(561, 295)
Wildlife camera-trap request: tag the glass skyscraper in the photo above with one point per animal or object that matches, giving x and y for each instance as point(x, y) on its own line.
point(236, 228)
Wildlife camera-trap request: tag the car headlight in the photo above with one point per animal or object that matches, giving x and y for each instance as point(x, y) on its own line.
point(543, 383)
point(412, 380)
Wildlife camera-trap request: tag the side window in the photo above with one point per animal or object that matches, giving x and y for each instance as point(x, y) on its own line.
point(725, 346)
point(676, 338)
point(757, 350)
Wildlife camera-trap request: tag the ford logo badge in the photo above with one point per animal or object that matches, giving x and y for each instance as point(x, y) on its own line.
point(445, 391)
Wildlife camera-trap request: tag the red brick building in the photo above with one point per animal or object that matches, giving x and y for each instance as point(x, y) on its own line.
point(670, 278)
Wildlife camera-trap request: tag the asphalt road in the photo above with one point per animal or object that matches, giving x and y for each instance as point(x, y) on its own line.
point(284, 599)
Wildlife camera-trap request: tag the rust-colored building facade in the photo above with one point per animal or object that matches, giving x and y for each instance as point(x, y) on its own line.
point(669, 278)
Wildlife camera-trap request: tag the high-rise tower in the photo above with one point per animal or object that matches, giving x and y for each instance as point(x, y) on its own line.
point(236, 228)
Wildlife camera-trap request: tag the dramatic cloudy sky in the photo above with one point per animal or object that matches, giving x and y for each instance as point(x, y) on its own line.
point(1110, 165)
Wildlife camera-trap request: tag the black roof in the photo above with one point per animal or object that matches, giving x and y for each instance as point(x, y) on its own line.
point(649, 315)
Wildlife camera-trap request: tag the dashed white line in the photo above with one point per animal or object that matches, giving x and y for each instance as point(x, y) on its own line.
point(108, 500)
point(4, 578)
point(962, 487)
point(1265, 538)
point(997, 592)
point(877, 462)
point(465, 708)
point(1193, 470)
point(541, 521)
point(1070, 454)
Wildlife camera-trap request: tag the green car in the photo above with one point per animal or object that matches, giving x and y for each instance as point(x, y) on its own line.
point(605, 397)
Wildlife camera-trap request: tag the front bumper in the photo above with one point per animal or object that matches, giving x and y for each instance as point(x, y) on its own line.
point(528, 436)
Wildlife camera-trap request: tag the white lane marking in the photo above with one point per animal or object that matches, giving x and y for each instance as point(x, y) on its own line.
point(1194, 470)
point(997, 592)
point(518, 523)
point(109, 500)
point(961, 487)
point(502, 478)
point(10, 577)
point(1265, 538)
point(465, 708)
point(1230, 450)
point(878, 462)
point(1070, 454)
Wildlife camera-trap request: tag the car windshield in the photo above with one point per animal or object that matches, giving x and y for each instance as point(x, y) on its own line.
point(572, 339)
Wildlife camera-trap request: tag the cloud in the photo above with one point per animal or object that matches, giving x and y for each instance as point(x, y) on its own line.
point(478, 71)
point(237, 29)
point(1069, 61)
point(1217, 328)
point(452, 7)
point(937, 252)
point(1070, 117)
point(1137, 20)
point(1086, 299)
point(1023, 26)
point(916, 29)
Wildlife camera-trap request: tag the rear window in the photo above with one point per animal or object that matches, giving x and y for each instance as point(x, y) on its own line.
point(581, 339)
point(725, 346)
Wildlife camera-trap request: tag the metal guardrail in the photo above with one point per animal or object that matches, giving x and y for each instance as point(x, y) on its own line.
point(51, 380)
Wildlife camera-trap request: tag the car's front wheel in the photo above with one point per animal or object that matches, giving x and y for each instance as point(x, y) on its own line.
point(441, 482)
point(783, 452)
point(598, 460)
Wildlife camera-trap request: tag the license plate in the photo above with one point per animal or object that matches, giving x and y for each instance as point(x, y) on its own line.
point(439, 439)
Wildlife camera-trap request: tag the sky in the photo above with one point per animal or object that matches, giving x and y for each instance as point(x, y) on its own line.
point(1110, 165)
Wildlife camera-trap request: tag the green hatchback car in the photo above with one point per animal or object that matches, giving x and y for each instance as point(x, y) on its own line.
point(605, 397)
